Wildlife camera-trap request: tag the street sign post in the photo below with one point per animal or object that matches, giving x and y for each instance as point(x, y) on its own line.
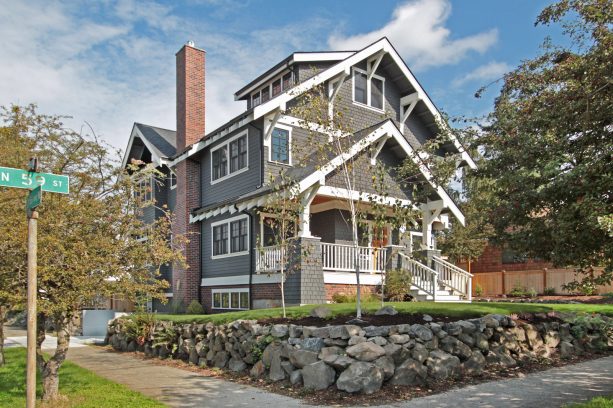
point(52, 183)
point(37, 183)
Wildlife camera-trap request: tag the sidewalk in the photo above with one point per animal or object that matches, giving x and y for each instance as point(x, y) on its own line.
point(182, 388)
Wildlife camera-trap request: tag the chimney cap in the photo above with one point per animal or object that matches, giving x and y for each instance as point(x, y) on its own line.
point(190, 43)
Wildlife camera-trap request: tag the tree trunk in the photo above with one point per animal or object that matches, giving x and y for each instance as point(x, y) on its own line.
point(356, 264)
point(283, 279)
point(50, 368)
point(2, 317)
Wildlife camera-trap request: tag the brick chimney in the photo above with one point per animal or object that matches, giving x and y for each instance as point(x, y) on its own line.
point(190, 129)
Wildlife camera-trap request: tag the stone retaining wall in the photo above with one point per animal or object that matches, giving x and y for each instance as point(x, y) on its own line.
point(361, 359)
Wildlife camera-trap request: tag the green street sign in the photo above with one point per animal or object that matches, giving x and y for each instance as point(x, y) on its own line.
point(34, 199)
point(52, 183)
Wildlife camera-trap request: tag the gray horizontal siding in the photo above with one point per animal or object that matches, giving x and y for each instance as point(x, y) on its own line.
point(229, 266)
point(236, 185)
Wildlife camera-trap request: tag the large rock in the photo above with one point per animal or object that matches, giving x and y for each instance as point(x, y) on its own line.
point(498, 356)
point(386, 364)
point(344, 332)
point(276, 372)
point(301, 358)
point(321, 311)
point(295, 378)
point(467, 327)
point(410, 372)
point(366, 351)
point(420, 353)
point(442, 365)
point(374, 331)
point(279, 330)
point(397, 352)
point(421, 332)
point(258, 370)
point(566, 349)
point(399, 338)
point(386, 310)
point(312, 344)
point(221, 359)
point(318, 376)
point(360, 377)
point(475, 364)
point(236, 365)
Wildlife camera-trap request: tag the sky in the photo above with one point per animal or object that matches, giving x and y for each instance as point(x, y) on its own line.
point(110, 63)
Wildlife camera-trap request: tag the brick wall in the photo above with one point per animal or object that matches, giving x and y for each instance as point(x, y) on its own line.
point(190, 128)
point(349, 290)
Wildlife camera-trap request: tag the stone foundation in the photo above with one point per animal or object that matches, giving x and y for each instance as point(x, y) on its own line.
point(361, 359)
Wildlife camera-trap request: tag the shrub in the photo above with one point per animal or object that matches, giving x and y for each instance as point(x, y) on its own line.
point(344, 298)
point(398, 285)
point(517, 291)
point(195, 308)
point(549, 291)
point(531, 293)
point(140, 327)
point(608, 295)
point(341, 298)
point(478, 290)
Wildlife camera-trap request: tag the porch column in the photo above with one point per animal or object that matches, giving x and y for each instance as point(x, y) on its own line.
point(305, 215)
point(430, 212)
point(305, 276)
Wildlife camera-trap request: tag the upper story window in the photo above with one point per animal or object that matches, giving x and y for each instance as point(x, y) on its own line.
point(280, 144)
point(143, 191)
point(230, 158)
point(230, 237)
point(172, 180)
point(273, 88)
point(370, 93)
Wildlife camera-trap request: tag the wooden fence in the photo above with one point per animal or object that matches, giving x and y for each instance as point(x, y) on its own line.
point(498, 283)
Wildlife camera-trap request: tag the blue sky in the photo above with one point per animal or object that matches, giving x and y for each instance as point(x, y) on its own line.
point(111, 63)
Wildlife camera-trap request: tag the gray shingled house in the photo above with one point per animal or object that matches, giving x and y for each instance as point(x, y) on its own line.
point(216, 181)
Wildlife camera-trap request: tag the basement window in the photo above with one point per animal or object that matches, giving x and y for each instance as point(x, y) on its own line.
point(237, 299)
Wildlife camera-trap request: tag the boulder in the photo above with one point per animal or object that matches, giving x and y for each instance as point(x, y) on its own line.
point(379, 340)
point(410, 372)
point(399, 338)
point(360, 377)
point(453, 328)
point(301, 358)
point(475, 364)
point(566, 349)
point(321, 311)
point(467, 327)
point(490, 321)
point(427, 318)
point(330, 351)
point(318, 376)
point(442, 365)
point(366, 351)
point(276, 372)
point(498, 356)
point(287, 367)
point(386, 311)
point(344, 332)
point(386, 365)
point(295, 331)
point(551, 339)
point(353, 340)
point(295, 378)
point(420, 332)
point(312, 344)
point(339, 362)
point(397, 352)
point(279, 330)
point(236, 365)
point(270, 350)
point(420, 353)
point(221, 359)
point(374, 331)
point(258, 370)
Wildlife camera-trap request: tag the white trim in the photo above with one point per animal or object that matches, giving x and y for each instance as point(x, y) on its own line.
point(172, 175)
point(226, 143)
point(348, 278)
point(256, 279)
point(289, 145)
point(228, 221)
point(369, 77)
point(168, 295)
point(312, 126)
point(343, 193)
point(154, 157)
point(230, 290)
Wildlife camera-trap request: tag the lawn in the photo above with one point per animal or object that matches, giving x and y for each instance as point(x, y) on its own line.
point(598, 402)
point(435, 309)
point(81, 387)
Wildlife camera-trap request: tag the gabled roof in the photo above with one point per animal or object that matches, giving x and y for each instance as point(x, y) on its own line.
point(161, 143)
point(311, 174)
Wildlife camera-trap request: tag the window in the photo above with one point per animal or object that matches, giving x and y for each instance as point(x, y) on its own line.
point(280, 145)
point(360, 85)
point(220, 240)
point(276, 87)
point(223, 166)
point(370, 93)
point(230, 298)
point(238, 235)
point(230, 237)
point(143, 191)
point(255, 99)
point(287, 81)
point(172, 180)
point(265, 94)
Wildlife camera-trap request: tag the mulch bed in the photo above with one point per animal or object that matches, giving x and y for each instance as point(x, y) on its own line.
point(369, 320)
point(388, 393)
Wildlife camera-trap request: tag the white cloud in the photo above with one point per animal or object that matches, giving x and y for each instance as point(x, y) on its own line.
point(488, 72)
point(417, 30)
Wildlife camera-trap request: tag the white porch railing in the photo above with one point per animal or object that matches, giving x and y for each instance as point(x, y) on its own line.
point(422, 277)
point(339, 257)
point(268, 259)
point(453, 277)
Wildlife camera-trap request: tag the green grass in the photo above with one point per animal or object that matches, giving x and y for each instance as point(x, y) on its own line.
point(81, 387)
point(435, 309)
point(598, 402)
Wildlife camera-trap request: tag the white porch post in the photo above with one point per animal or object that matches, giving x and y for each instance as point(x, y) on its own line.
point(305, 215)
point(430, 212)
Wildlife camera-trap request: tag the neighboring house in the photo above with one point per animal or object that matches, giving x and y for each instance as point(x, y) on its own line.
point(216, 181)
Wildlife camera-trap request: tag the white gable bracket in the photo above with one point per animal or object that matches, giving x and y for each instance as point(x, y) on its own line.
point(377, 149)
point(335, 87)
point(373, 64)
point(407, 104)
point(269, 125)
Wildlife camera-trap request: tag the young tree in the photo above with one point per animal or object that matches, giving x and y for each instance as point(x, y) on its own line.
point(89, 244)
point(549, 144)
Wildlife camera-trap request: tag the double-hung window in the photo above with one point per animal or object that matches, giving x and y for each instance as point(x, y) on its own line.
point(230, 237)
point(230, 158)
point(280, 145)
point(368, 92)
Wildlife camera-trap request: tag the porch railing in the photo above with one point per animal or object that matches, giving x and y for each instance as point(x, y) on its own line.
point(268, 259)
point(339, 257)
point(422, 276)
point(453, 277)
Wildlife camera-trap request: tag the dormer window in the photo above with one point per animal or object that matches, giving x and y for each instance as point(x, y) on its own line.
point(368, 92)
point(265, 94)
point(275, 87)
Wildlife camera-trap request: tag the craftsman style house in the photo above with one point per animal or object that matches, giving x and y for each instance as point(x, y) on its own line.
point(216, 181)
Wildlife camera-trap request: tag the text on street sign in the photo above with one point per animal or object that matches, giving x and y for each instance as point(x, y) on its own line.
point(53, 183)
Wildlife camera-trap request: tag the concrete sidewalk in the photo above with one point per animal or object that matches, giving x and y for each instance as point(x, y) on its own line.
point(182, 388)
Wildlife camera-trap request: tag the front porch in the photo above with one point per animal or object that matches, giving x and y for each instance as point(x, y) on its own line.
point(324, 243)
